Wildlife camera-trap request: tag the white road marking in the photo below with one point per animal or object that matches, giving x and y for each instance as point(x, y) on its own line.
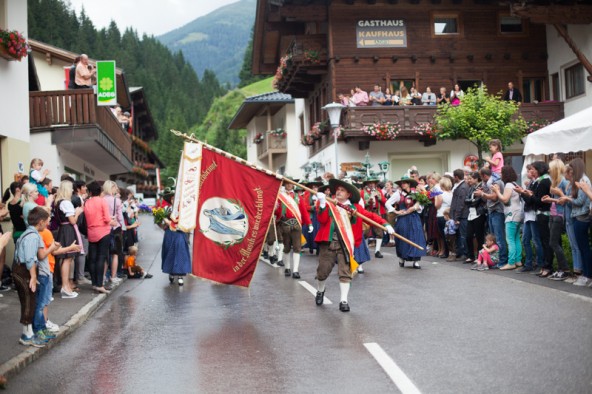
point(313, 291)
point(392, 369)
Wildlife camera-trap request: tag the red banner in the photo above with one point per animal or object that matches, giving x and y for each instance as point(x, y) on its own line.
point(234, 210)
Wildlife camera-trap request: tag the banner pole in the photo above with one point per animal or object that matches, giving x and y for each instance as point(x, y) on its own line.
point(278, 176)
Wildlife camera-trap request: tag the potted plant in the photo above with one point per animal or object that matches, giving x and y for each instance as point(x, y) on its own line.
point(13, 45)
point(282, 70)
point(258, 138)
point(307, 140)
point(536, 124)
point(315, 131)
point(427, 133)
point(311, 56)
point(278, 133)
point(382, 131)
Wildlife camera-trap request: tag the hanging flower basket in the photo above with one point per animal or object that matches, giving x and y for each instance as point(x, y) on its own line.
point(282, 70)
point(13, 45)
point(278, 133)
point(315, 131)
point(382, 131)
point(259, 137)
point(428, 133)
point(307, 140)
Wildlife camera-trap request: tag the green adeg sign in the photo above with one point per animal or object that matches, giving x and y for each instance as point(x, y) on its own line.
point(106, 86)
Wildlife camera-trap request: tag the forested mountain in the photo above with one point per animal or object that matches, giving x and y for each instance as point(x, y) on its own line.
point(177, 97)
point(216, 41)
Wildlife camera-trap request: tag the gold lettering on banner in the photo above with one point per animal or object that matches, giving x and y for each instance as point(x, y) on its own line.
point(207, 172)
point(246, 251)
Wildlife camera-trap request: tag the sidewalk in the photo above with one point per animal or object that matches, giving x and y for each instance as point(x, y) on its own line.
point(69, 314)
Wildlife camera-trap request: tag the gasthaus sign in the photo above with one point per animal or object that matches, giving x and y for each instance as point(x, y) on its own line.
point(381, 33)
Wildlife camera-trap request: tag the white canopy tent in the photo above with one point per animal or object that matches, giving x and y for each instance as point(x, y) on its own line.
point(571, 134)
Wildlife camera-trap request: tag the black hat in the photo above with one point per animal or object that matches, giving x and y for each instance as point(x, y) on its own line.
point(312, 183)
point(355, 193)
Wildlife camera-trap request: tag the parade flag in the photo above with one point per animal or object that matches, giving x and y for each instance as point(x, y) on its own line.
point(235, 206)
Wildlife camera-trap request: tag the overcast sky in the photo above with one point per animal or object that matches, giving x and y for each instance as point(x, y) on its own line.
point(153, 17)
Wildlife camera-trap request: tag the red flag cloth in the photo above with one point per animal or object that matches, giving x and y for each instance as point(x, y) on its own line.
point(234, 210)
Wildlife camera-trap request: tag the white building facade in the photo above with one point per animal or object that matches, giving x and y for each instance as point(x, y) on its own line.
point(14, 99)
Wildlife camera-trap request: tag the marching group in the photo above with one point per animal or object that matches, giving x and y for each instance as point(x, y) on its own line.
point(483, 218)
point(59, 234)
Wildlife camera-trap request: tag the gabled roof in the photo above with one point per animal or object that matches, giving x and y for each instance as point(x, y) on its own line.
point(255, 105)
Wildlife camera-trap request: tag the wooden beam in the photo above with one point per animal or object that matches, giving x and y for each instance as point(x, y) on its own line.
point(554, 14)
point(581, 57)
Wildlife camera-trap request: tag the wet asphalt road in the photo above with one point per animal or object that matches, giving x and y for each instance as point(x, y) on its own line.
point(448, 329)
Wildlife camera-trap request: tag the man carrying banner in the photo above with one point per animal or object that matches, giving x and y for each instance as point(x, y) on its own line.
point(291, 212)
point(337, 238)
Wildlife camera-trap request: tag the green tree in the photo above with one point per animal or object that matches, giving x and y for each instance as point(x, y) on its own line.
point(479, 118)
point(245, 75)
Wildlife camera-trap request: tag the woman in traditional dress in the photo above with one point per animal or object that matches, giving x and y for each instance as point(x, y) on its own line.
point(408, 224)
point(176, 260)
point(67, 234)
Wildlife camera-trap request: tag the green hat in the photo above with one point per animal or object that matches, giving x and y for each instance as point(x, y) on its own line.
point(412, 182)
point(312, 183)
point(355, 193)
point(374, 180)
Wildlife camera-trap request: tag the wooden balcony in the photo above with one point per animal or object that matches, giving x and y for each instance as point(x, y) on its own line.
point(271, 145)
point(306, 65)
point(78, 125)
point(407, 117)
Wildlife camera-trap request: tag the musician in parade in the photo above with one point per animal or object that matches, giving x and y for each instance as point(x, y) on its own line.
point(292, 215)
point(340, 238)
point(310, 200)
point(374, 201)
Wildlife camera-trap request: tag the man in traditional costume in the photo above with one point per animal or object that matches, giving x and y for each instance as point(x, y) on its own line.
point(339, 230)
point(310, 200)
point(374, 201)
point(292, 214)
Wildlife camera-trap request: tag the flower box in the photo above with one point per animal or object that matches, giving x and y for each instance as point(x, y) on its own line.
point(13, 45)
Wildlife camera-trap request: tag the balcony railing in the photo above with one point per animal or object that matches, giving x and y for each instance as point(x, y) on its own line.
point(271, 144)
point(52, 110)
point(307, 61)
point(407, 117)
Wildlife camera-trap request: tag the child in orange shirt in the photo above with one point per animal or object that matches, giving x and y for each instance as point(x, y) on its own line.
point(134, 271)
point(48, 240)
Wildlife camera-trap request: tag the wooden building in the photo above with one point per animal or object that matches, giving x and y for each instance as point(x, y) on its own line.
point(318, 49)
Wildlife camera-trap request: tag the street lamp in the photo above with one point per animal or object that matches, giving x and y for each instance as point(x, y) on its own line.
point(307, 169)
point(384, 167)
point(334, 111)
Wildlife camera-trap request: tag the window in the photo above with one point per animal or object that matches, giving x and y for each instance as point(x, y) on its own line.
point(511, 25)
point(574, 81)
point(533, 90)
point(555, 87)
point(469, 83)
point(446, 24)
